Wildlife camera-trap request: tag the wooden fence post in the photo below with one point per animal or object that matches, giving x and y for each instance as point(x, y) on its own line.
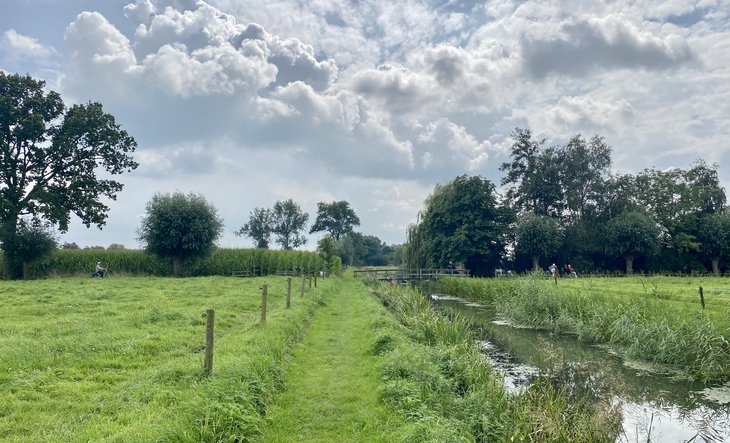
point(315, 280)
point(264, 290)
point(209, 336)
point(310, 282)
point(303, 284)
point(288, 293)
point(702, 298)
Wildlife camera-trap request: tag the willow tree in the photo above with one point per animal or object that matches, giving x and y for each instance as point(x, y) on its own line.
point(630, 235)
point(714, 237)
point(537, 237)
point(180, 226)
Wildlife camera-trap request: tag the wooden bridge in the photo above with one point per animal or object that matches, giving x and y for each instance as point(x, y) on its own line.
point(403, 275)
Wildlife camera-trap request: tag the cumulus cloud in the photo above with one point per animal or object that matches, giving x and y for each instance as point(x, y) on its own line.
point(18, 47)
point(586, 45)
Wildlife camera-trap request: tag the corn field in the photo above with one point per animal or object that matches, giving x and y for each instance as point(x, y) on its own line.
point(74, 262)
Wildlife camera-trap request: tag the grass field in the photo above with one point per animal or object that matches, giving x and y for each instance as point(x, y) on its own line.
point(121, 359)
point(655, 319)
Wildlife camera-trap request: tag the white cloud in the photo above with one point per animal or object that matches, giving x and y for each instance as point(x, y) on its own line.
point(17, 47)
point(326, 98)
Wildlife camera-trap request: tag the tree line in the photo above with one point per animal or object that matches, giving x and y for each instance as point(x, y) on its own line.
point(561, 204)
point(58, 161)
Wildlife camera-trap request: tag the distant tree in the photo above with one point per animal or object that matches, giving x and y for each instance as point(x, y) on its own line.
point(94, 248)
point(180, 226)
point(71, 245)
point(51, 160)
point(632, 234)
point(288, 222)
point(463, 222)
point(116, 246)
point(678, 198)
point(259, 227)
point(523, 172)
point(351, 248)
point(714, 237)
point(337, 218)
point(537, 237)
point(585, 168)
point(33, 241)
point(327, 249)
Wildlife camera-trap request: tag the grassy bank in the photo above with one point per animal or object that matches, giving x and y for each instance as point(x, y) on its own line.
point(121, 359)
point(436, 377)
point(654, 319)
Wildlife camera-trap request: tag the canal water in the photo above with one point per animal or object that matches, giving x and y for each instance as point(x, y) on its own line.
point(656, 407)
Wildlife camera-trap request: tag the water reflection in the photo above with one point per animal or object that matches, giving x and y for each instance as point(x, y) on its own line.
point(655, 407)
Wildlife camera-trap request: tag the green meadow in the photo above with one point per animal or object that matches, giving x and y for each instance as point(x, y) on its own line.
point(121, 359)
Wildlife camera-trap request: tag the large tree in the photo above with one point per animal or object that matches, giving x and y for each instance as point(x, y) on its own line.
point(180, 226)
point(337, 218)
point(631, 234)
point(714, 237)
point(537, 236)
point(585, 168)
point(463, 223)
point(50, 158)
point(289, 221)
point(259, 227)
point(678, 198)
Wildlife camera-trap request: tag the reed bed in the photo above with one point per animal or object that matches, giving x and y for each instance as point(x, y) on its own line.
point(448, 392)
point(654, 319)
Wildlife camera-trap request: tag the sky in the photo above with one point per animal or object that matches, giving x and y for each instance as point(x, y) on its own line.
point(249, 102)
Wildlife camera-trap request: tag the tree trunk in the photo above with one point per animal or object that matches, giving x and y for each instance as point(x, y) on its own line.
point(176, 265)
point(630, 264)
point(716, 266)
point(535, 264)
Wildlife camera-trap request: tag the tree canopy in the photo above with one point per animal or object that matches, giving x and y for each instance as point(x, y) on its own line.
point(50, 157)
point(259, 227)
point(632, 234)
point(337, 218)
point(288, 223)
point(180, 226)
point(714, 235)
point(537, 236)
point(464, 223)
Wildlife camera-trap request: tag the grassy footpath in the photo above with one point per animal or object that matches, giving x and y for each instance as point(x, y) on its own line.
point(333, 377)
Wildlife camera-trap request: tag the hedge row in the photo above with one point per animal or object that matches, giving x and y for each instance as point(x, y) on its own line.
point(68, 262)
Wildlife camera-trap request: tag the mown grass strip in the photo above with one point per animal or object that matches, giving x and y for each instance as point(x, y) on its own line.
point(333, 377)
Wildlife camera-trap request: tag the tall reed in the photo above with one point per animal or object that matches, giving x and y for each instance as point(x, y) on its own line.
point(655, 326)
point(448, 391)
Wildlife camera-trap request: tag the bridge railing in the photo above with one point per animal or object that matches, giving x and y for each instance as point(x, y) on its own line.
point(409, 274)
